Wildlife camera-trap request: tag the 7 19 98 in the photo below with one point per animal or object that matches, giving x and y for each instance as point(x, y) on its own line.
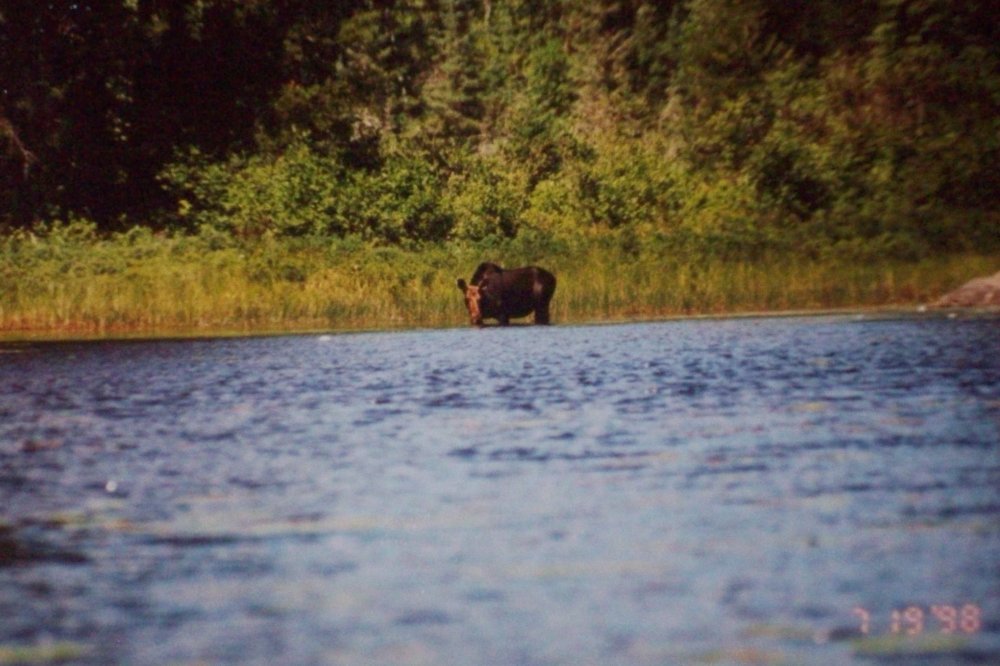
point(916, 620)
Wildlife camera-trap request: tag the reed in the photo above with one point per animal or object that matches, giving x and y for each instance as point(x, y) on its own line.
point(141, 283)
point(605, 288)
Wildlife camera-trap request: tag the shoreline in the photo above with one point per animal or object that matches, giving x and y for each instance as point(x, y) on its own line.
point(139, 334)
point(179, 288)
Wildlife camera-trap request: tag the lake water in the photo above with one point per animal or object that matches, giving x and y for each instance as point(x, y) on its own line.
point(816, 490)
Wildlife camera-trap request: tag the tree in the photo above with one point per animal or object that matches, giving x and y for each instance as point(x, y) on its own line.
point(106, 93)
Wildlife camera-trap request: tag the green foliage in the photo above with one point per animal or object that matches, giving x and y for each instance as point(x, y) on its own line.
point(291, 194)
point(485, 200)
point(622, 182)
point(301, 193)
point(727, 129)
point(400, 203)
point(724, 47)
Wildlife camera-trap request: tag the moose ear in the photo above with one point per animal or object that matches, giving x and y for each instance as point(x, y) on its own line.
point(461, 284)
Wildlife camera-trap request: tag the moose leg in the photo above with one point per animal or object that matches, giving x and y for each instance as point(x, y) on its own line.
point(542, 314)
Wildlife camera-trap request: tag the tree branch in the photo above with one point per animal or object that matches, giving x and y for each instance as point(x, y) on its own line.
point(27, 157)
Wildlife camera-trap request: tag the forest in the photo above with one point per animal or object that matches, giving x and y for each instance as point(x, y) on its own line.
point(234, 164)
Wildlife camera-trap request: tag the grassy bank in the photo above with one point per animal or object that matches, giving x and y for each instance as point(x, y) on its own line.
point(69, 281)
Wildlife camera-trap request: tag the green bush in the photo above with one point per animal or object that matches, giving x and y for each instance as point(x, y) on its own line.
point(485, 200)
point(300, 193)
point(402, 202)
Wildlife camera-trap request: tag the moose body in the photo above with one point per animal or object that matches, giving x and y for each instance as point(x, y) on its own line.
point(508, 293)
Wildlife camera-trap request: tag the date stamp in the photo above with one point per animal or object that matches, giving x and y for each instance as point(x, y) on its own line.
point(915, 620)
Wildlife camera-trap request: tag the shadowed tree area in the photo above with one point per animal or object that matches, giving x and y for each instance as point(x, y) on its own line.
point(105, 94)
point(722, 122)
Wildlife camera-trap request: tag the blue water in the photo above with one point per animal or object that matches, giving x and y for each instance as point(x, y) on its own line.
point(725, 491)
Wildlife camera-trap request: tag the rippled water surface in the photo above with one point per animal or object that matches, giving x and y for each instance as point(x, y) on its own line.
point(814, 490)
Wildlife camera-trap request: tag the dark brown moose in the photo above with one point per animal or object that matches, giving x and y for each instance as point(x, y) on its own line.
point(505, 293)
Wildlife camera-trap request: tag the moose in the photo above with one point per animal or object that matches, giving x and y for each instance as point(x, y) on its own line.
point(505, 293)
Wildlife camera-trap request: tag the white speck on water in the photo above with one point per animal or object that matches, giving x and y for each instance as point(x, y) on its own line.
point(111, 486)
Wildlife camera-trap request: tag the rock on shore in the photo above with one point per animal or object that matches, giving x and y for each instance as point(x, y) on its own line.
point(981, 292)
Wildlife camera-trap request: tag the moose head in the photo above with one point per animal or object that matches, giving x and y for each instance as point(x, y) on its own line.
point(473, 301)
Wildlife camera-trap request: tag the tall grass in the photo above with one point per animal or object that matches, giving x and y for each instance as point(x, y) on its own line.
point(604, 286)
point(69, 282)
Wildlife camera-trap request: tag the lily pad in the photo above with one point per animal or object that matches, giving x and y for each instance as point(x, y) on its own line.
point(48, 653)
point(929, 644)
